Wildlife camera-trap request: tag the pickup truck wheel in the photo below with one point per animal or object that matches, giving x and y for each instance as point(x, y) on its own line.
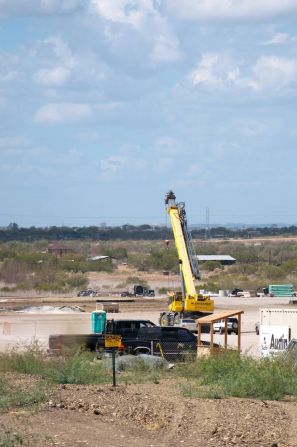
point(221, 330)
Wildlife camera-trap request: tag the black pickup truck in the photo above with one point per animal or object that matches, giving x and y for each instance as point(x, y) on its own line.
point(138, 337)
point(128, 329)
point(173, 343)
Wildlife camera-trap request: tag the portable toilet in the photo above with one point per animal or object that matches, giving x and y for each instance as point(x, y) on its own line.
point(98, 321)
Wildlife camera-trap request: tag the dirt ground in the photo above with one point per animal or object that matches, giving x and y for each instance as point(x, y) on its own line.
point(150, 415)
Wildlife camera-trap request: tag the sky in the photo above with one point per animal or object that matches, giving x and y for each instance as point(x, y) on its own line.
point(105, 105)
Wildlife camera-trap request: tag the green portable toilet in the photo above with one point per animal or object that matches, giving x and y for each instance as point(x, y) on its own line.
point(98, 321)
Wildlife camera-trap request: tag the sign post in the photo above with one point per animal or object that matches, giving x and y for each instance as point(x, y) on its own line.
point(114, 342)
point(113, 367)
point(273, 339)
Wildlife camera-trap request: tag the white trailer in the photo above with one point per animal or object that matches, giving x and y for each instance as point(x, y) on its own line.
point(280, 317)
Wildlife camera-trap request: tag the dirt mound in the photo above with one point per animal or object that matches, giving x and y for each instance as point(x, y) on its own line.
point(49, 309)
point(154, 415)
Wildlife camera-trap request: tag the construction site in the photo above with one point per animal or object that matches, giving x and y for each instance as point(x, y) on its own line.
point(148, 232)
point(142, 356)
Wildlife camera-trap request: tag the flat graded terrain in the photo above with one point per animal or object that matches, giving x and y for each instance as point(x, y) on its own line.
point(150, 415)
point(23, 327)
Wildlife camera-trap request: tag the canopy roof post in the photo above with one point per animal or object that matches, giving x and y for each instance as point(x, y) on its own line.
point(211, 319)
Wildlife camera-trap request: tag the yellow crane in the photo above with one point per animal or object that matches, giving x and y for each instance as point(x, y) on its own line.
point(188, 301)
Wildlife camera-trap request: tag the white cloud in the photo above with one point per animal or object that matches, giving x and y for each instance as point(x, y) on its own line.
point(204, 73)
point(277, 39)
point(61, 50)
point(38, 7)
point(145, 18)
point(63, 113)
point(117, 164)
point(53, 77)
point(9, 67)
point(57, 75)
point(166, 49)
point(276, 72)
point(163, 165)
point(230, 9)
point(113, 164)
point(268, 72)
point(131, 12)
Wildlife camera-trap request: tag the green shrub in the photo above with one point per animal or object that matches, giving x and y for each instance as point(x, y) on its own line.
point(77, 281)
point(9, 438)
point(210, 266)
point(136, 280)
point(163, 260)
point(76, 367)
point(163, 290)
point(229, 374)
point(15, 396)
point(79, 369)
point(7, 289)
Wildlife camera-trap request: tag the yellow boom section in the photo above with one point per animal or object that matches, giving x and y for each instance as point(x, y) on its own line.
point(182, 251)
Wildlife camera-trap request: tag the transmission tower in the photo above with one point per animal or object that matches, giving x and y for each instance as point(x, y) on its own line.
point(207, 228)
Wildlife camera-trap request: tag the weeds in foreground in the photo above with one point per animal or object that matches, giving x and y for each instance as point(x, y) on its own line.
point(228, 374)
point(137, 369)
point(14, 396)
point(78, 367)
point(9, 439)
point(222, 375)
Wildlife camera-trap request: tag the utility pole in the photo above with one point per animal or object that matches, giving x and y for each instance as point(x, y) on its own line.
point(207, 228)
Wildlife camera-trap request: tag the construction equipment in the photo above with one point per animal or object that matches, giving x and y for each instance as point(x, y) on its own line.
point(187, 302)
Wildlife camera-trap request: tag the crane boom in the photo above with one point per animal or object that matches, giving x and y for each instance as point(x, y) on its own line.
point(189, 301)
point(185, 249)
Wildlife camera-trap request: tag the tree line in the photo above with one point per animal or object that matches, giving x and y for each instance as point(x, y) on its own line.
point(131, 232)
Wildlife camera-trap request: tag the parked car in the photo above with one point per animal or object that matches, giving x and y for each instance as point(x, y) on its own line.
point(87, 292)
point(150, 292)
point(127, 294)
point(232, 326)
point(139, 290)
point(188, 323)
point(236, 292)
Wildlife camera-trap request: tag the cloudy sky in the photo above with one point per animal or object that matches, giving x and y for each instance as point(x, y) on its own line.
point(107, 104)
